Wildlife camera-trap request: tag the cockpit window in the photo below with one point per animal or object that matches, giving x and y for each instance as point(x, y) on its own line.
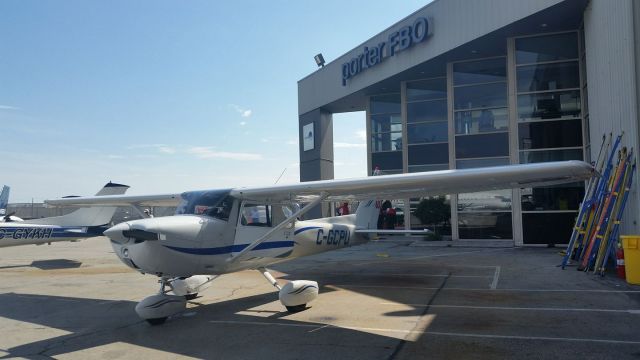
point(214, 203)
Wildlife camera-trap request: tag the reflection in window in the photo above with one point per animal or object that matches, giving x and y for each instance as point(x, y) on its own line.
point(556, 197)
point(386, 141)
point(550, 134)
point(427, 89)
point(544, 77)
point(427, 111)
point(546, 48)
point(549, 105)
point(547, 228)
point(475, 163)
point(423, 168)
point(386, 123)
point(483, 145)
point(478, 121)
point(256, 215)
point(429, 154)
point(480, 96)
point(482, 71)
point(387, 161)
point(385, 104)
point(494, 200)
point(427, 132)
point(485, 225)
point(527, 157)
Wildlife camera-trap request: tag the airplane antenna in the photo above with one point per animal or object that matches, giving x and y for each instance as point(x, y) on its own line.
point(279, 177)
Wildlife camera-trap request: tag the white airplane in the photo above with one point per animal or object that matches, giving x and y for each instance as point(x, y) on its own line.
point(217, 232)
point(81, 223)
point(4, 200)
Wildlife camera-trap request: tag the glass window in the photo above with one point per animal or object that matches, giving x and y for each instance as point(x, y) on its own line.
point(427, 89)
point(201, 202)
point(387, 161)
point(385, 104)
point(433, 213)
point(427, 111)
point(427, 132)
point(475, 163)
point(386, 141)
point(547, 228)
point(429, 154)
point(546, 48)
point(482, 71)
point(550, 134)
point(556, 197)
point(484, 145)
point(386, 123)
point(527, 157)
point(479, 121)
point(494, 200)
point(480, 96)
point(423, 168)
point(256, 215)
point(548, 77)
point(555, 105)
point(485, 225)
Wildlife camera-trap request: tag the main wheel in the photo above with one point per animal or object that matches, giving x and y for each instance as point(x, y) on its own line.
point(157, 321)
point(297, 308)
point(191, 296)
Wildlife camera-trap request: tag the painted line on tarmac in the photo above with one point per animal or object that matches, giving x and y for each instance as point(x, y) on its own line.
point(487, 289)
point(316, 326)
point(632, 311)
point(540, 338)
point(402, 275)
point(496, 277)
point(368, 262)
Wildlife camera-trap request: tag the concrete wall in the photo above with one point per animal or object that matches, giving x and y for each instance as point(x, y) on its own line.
point(612, 79)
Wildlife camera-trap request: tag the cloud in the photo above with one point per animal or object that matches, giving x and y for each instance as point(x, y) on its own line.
point(343, 145)
point(205, 152)
point(166, 150)
point(8, 107)
point(161, 148)
point(115, 157)
point(292, 142)
point(242, 111)
point(243, 123)
point(361, 135)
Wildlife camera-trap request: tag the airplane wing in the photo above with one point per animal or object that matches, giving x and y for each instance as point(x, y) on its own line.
point(380, 187)
point(425, 183)
point(119, 200)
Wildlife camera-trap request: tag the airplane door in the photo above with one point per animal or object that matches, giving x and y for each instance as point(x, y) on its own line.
point(255, 220)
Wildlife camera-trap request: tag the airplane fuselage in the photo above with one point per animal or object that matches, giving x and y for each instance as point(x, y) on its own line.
point(209, 247)
point(14, 234)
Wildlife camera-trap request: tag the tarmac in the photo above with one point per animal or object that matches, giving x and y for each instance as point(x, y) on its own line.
point(382, 300)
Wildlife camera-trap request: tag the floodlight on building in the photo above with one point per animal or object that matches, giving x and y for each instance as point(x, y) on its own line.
point(319, 60)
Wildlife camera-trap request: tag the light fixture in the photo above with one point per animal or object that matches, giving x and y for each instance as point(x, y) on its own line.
point(543, 25)
point(319, 60)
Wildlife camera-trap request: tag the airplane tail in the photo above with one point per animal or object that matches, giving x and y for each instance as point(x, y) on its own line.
point(4, 200)
point(367, 214)
point(91, 216)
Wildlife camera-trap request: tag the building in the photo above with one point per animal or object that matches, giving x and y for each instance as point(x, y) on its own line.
point(461, 84)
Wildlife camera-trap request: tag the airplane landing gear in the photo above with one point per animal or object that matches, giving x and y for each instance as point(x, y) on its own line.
point(295, 294)
point(157, 308)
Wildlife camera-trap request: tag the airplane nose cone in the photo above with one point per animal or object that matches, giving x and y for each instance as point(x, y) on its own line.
point(116, 233)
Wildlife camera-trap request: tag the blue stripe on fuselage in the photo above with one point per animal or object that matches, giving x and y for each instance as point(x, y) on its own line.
point(231, 249)
point(305, 229)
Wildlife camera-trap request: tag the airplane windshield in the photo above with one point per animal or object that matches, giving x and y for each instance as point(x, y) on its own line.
point(213, 203)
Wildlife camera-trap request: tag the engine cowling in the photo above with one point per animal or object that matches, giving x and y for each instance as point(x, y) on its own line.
point(298, 292)
point(191, 285)
point(160, 306)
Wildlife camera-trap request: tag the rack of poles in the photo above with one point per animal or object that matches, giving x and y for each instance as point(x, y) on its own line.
point(595, 235)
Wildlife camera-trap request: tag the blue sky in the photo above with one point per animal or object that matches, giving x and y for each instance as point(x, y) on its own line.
point(168, 96)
